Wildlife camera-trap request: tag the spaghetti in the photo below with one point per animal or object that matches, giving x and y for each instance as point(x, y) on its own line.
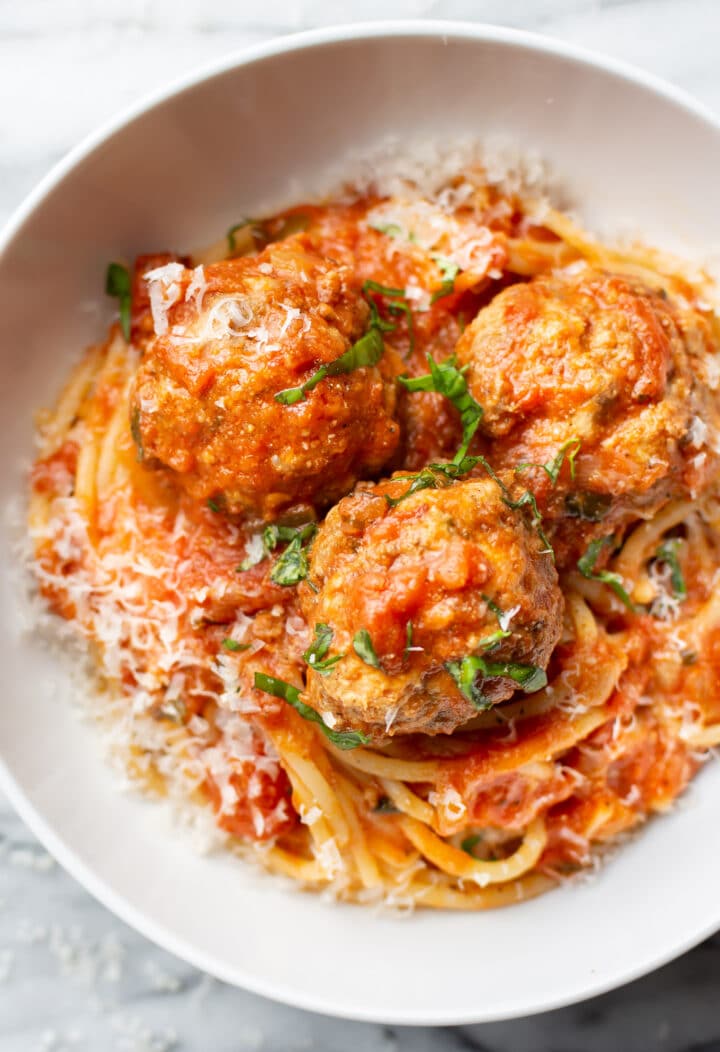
point(180, 606)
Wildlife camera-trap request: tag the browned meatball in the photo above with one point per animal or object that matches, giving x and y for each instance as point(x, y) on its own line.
point(427, 590)
point(608, 370)
point(228, 338)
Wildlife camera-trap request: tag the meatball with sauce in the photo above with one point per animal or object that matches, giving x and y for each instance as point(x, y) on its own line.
point(604, 381)
point(412, 585)
point(230, 337)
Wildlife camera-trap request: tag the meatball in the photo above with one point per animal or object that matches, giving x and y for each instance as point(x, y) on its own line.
point(412, 589)
point(231, 336)
point(599, 378)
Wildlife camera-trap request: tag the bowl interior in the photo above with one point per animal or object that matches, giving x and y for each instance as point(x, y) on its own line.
point(258, 135)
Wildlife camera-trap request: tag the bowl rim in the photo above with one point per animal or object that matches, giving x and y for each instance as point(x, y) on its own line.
point(244, 56)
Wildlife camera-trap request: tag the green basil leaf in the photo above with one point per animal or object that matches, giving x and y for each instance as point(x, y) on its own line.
point(586, 566)
point(292, 566)
point(474, 667)
point(274, 535)
point(449, 271)
point(398, 305)
point(287, 692)
point(465, 673)
point(231, 240)
point(213, 505)
point(232, 644)
point(409, 630)
point(367, 351)
point(314, 656)
point(391, 229)
point(446, 379)
point(363, 647)
point(469, 844)
point(119, 285)
point(568, 450)
point(668, 554)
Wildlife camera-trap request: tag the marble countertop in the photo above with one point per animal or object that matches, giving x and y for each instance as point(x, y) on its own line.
point(73, 978)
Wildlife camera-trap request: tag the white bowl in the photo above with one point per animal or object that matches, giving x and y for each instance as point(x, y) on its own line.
point(174, 171)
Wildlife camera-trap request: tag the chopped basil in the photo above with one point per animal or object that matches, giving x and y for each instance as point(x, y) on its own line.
point(231, 240)
point(552, 468)
point(495, 638)
point(363, 647)
point(315, 653)
point(391, 229)
point(232, 644)
point(280, 689)
point(469, 844)
point(688, 657)
point(591, 507)
point(368, 350)
point(449, 271)
point(136, 432)
point(382, 290)
point(446, 379)
point(528, 499)
point(472, 668)
point(398, 305)
point(408, 640)
point(274, 535)
point(213, 505)
point(118, 284)
point(525, 500)
point(586, 566)
point(292, 566)
point(668, 554)
point(492, 605)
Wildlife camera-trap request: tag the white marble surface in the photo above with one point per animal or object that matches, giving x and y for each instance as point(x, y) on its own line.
point(72, 977)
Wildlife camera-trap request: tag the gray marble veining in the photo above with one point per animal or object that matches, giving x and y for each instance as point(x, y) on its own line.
point(72, 977)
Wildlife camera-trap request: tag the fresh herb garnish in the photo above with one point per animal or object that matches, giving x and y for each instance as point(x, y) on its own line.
point(280, 689)
point(433, 476)
point(495, 638)
point(363, 647)
point(273, 535)
point(474, 667)
point(231, 240)
point(591, 507)
point(668, 554)
point(292, 566)
point(118, 284)
point(525, 500)
point(449, 271)
point(446, 379)
point(397, 305)
point(408, 640)
point(586, 566)
point(315, 653)
point(232, 644)
point(469, 844)
point(391, 229)
point(368, 350)
point(213, 505)
point(552, 468)
point(492, 605)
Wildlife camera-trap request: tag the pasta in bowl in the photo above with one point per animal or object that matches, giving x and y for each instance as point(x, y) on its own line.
point(391, 523)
